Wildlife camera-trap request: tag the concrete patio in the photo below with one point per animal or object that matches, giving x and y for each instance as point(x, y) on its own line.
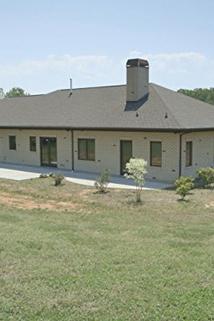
point(23, 172)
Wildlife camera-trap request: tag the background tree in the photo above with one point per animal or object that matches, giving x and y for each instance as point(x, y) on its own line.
point(204, 94)
point(16, 92)
point(1, 93)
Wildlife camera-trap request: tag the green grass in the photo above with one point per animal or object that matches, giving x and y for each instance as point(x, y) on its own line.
point(104, 258)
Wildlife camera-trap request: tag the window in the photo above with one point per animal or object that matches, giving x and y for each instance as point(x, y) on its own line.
point(188, 154)
point(12, 142)
point(155, 154)
point(86, 149)
point(33, 143)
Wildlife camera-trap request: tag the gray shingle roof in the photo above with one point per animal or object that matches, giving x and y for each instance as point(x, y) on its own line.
point(106, 108)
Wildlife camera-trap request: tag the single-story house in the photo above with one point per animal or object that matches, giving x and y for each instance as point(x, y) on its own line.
point(91, 129)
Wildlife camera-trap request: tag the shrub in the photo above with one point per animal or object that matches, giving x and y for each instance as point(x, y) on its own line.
point(184, 185)
point(206, 176)
point(102, 181)
point(136, 170)
point(58, 178)
point(51, 174)
point(198, 182)
point(43, 176)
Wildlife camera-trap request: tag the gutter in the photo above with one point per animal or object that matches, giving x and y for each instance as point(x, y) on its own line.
point(130, 129)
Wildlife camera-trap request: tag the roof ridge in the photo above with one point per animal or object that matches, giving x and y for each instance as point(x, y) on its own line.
point(82, 88)
point(164, 102)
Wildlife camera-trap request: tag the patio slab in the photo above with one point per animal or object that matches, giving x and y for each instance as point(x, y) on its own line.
point(23, 172)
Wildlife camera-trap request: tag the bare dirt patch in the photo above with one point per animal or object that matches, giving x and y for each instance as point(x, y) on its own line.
point(28, 203)
point(211, 204)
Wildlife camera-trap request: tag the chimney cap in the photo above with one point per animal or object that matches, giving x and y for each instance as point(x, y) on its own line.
point(137, 62)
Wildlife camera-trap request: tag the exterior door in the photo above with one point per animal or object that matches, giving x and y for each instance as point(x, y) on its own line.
point(48, 150)
point(125, 154)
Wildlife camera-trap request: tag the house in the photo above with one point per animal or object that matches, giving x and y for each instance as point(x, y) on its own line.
point(90, 129)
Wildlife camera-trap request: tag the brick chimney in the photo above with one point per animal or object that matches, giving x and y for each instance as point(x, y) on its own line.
point(137, 86)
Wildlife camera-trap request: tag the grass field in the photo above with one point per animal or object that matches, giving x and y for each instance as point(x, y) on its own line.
point(67, 253)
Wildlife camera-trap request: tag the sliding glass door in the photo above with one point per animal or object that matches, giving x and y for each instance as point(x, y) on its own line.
point(48, 150)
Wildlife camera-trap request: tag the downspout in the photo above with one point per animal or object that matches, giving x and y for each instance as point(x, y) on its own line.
point(72, 149)
point(180, 154)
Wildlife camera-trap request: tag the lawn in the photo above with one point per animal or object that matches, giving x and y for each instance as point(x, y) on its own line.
point(67, 253)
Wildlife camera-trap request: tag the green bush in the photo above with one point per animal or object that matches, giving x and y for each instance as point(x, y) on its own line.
point(206, 176)
point(43, 176)
point(184, 185)
point(58, 178)
point(102, 181)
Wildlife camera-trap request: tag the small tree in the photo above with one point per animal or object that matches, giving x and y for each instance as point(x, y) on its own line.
point(136, 170)
point(102, 181)
point(183, 186)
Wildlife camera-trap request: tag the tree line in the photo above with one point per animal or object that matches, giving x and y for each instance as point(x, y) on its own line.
point(13, 92)
point(204, 94)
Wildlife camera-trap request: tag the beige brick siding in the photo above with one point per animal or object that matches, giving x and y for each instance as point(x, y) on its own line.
point(23, 155)
point(203, 151)
point(108, 150)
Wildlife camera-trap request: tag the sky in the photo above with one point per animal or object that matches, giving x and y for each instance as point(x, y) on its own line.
point(44, 43)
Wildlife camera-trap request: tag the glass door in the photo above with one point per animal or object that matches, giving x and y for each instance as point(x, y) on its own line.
point(125, 154)
point(48, 149)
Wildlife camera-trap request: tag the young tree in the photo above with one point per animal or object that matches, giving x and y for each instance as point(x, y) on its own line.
point(136, 170)
point(16, 92)
point(102, 181)
point(184, 184)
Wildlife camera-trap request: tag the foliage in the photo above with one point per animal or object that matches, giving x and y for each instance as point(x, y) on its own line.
point(136, 170)
point(58, 178)
point(1, 93)
point(43, 176)
point(16, 92)
point(204, 94)
point(102, 181)
point(184, 185)
point(206, 175)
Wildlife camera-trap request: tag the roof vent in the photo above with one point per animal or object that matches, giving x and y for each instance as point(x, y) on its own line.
point(71, 87)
